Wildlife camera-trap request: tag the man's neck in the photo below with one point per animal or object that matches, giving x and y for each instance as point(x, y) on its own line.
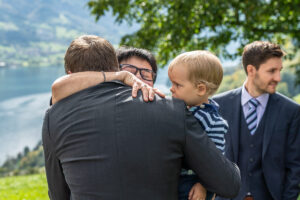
point(251, 89)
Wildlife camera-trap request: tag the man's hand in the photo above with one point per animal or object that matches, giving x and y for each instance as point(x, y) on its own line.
point(148, 91)
point(198, 192)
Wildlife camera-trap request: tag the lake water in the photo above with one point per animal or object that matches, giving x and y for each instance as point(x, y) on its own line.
point(24, 98)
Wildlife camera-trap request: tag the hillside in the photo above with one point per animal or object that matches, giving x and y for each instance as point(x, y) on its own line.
point(26, 162)
point(37, 33)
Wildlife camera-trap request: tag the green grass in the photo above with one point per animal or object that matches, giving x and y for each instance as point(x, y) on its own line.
point(30, 187)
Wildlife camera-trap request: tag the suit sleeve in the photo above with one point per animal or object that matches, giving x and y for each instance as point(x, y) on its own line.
point(292, 159)
point(57, 187)
point(216, 173)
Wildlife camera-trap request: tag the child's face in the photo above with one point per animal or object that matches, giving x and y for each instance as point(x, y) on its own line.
point(182, 88)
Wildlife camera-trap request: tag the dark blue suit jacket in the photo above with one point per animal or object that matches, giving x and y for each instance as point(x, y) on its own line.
point(281, 141)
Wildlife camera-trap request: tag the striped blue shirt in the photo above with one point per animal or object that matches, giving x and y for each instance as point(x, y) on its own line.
point(214, 125)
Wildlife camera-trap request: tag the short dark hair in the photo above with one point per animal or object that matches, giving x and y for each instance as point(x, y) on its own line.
point(125, 52)
point(258, 52)
point(90, 53)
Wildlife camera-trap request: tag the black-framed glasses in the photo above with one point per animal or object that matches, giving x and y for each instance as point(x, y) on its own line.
point(146, 74)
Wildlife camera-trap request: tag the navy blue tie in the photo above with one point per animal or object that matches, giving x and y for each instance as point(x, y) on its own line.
point(251, 117)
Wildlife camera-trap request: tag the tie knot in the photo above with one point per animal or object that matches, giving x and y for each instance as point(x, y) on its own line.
point(253, 102)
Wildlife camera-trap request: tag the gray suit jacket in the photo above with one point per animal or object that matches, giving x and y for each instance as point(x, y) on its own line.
point(101, 143)
point(281, 142)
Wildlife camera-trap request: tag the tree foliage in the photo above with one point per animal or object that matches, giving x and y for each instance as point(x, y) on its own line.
point(171, 26)
point(28, 162)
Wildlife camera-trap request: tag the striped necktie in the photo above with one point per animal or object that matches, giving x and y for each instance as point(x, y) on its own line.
point(251, 117)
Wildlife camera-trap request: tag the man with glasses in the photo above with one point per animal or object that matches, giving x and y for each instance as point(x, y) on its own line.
point(140, 62)
point(144, 73)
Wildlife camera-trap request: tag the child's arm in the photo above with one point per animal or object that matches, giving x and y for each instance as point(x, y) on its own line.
point(198, 192)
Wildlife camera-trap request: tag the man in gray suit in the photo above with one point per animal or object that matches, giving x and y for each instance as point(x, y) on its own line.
point(264, 128)
point(100, 143)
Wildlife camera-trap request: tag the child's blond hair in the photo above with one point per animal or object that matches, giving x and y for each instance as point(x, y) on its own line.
point(203, 67)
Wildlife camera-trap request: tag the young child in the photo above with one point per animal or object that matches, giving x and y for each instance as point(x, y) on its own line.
point(195, 76)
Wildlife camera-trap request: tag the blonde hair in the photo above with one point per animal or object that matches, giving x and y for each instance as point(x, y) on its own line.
point(203, 67)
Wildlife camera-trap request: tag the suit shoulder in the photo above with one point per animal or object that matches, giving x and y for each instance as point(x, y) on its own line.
point(227, 95)
point(170, 102)
point(167, 105)
point(286, 101)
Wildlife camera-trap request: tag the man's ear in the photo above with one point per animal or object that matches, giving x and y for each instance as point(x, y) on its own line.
point(251, 70)
point(69, 72)
point(201, 89)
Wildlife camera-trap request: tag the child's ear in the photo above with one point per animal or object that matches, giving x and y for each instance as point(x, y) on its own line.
point(201, 89)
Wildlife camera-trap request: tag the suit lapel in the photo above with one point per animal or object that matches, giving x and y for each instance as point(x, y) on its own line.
point(234, 122)
point(272, 112)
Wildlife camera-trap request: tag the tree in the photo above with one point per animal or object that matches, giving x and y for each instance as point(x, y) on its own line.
point(170, 27)
point(297, 98)
point(232, 81)
point(26, 150)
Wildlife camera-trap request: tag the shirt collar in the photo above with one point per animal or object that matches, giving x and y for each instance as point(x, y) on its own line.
point(262, 99)
point(212, 106)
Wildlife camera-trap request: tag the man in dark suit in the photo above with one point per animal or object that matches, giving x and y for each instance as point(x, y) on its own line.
point(264, 128)
point(100, 143)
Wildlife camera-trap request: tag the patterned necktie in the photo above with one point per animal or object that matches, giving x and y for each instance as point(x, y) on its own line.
point(251, 117)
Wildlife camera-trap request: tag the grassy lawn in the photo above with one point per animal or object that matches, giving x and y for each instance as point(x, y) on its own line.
point(31, 187)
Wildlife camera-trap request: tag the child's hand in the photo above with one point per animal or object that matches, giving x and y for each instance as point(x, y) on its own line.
point(213, 198)
point(198, 192)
